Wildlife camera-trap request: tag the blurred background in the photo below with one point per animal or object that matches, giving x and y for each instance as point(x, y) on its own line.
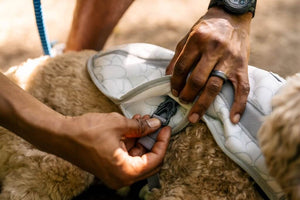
point(275, 33)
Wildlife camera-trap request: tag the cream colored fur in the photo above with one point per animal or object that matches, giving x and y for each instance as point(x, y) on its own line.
point(194, 166)
point(280, 138)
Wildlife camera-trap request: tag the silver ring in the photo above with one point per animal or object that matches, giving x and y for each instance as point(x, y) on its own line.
point(219, 74)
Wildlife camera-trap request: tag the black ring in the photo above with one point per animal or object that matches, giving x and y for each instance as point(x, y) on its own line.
point(219, 74)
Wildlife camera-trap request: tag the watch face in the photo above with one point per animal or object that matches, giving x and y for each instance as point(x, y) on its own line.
point(238, 4)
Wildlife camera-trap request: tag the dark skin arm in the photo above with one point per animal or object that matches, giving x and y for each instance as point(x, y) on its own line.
point(218, 41)
point(93, 22)
point(95, 142)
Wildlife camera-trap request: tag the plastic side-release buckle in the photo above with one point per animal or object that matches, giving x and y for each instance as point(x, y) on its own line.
point(166, 110)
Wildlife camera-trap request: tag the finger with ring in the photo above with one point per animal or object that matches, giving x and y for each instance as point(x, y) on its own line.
point(219, 74)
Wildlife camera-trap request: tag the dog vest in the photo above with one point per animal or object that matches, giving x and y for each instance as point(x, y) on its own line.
point(133, 77)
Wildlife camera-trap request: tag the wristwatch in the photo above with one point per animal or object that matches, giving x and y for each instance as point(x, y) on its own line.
point(235, 6)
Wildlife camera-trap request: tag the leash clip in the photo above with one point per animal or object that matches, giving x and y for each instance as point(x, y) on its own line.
point(166, 110)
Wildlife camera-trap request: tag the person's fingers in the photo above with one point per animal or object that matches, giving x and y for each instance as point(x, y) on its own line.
point(129, 143)
point(198, 78)
point(138, 150)
point(140, 127)
point(160, 146)
point(241, 88)
point(123, 146)
point(136, 116)
point(184, 64)
point(146, 117)
point(132, 169)
point(139, 166)
point(211, 90)
point(129, 170)
point(179, 47)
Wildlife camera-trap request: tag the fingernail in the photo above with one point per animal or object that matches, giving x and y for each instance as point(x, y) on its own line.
point(175, 93)
point(194, 118)
point(236, 118)
point(153, 122)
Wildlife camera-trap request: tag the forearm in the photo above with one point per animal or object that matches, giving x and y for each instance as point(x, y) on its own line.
point(27, 117)
point(94, 141)
point(93, 22)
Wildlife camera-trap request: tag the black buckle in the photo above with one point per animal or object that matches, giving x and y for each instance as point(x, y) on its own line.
point(166, 110)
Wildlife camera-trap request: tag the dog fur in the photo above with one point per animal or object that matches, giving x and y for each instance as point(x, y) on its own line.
point(194, 166)
point(280, 138)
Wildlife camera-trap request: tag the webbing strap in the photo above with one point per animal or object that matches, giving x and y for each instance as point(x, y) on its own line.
point(164, 112)
point(153, 181)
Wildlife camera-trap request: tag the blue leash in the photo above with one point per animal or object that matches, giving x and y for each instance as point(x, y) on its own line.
point(41, 27)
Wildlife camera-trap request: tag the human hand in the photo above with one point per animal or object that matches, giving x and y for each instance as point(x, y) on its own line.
point(218, 41)
point(93, 141)
point(133, 147)
point(96, 144)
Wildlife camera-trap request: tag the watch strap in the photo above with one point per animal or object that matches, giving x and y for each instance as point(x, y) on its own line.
point(227, 8)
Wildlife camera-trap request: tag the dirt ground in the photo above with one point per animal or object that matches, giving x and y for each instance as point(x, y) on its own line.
point(275, 34)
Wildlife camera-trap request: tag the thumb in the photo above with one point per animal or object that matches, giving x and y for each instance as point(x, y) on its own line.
point(141, 127)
